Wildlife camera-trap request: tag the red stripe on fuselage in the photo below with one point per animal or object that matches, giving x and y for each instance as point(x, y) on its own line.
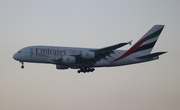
point(131, 50)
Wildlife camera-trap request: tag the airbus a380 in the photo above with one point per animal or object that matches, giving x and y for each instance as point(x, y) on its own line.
point(86, 59)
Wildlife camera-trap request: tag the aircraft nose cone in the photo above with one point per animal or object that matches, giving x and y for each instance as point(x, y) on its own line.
point(15, 56)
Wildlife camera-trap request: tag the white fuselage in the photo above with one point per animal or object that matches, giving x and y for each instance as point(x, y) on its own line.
point(46, 54)
point(86, 59)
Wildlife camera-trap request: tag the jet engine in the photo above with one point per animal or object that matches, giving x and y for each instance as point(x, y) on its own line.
point(87, 55)
point(68, 59)
point(62, 67)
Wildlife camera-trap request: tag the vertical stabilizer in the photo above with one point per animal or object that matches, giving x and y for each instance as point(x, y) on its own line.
point(145, 45)
point(147, 42)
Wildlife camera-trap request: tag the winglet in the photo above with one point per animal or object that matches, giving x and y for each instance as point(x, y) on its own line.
point(130, 42)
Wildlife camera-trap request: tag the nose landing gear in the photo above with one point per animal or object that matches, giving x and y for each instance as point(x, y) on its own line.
point(22, 65)
point(84, 70)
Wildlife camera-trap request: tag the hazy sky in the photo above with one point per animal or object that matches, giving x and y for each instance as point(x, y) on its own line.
point(88, 23)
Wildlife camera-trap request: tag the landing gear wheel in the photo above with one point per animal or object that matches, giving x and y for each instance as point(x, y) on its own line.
point(84, 70)
point(22, 65)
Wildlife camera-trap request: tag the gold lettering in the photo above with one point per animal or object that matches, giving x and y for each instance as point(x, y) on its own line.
point(57, 52)
point(37, 51)
point(50, 51)
point(43, 51)
point(53, 52)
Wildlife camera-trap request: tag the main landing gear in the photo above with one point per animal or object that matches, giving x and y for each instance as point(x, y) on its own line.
point(22, 65)
point(84, 70)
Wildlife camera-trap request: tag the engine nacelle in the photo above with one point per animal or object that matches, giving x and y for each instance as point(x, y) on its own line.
point(87, 54)
point(68, 59)
point(62, 67)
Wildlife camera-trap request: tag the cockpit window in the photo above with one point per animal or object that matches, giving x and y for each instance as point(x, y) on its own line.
point(19, 51)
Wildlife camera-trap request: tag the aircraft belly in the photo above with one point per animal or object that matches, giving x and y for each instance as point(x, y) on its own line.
point(99, 64)
point(102, 63)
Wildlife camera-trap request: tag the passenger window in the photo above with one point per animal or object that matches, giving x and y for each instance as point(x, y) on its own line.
point(19, 51)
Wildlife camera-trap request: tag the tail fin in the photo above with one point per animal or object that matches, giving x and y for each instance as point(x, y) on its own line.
point(147, 42)
point(145, 45)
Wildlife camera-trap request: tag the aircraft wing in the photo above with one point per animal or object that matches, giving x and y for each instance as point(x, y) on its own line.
point(106, 51)
point(110, 48)
point(99, 54)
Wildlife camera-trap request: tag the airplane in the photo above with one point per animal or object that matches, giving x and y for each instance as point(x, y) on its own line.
point(87, 59)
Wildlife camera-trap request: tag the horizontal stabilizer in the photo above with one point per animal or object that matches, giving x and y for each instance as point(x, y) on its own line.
point(151, 55)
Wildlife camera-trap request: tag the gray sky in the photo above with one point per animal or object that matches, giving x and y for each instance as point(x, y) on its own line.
point(88, 23)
